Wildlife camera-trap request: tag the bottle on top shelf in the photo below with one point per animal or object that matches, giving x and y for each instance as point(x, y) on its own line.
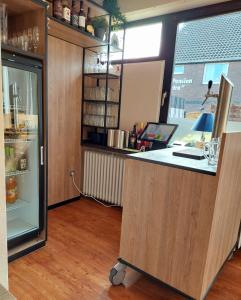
point(58, 9)
point(89, 26)
point(66, 10)
point(75, 12)
point(82, 17)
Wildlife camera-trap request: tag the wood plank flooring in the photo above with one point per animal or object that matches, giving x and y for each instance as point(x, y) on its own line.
point(83, 245)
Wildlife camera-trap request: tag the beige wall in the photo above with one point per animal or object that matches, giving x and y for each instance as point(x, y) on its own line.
point(3, 230)
point(139, 9)
point(141, 93)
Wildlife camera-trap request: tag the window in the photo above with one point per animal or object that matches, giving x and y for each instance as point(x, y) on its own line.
point(205, 57)
point(179, 70)
point(143, 41)
point(214, 71)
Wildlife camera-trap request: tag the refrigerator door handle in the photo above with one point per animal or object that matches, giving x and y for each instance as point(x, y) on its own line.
point(41, 155)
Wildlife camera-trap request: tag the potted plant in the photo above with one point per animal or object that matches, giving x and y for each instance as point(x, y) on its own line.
point(113, 9)
point(100, 25)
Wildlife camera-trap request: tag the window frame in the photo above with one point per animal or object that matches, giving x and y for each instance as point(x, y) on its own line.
point(209, 64)
point(170, 24)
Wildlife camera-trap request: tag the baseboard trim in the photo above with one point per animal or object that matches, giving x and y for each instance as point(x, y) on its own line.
point(64, 203)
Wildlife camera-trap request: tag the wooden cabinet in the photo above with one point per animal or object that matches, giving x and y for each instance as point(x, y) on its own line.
point(64, 118)
point(178, 225)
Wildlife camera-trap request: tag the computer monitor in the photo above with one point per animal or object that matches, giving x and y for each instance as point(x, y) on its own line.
point(158, 133)
point(222, 112)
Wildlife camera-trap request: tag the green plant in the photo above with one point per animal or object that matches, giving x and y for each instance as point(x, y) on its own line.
point(100, 22)
point(113, 9)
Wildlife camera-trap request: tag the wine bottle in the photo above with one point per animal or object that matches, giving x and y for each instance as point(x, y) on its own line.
point(82, 18)
point(66, 11)
point(58, 9)
point(133, 138)
point(89, 26)
point(75, 13)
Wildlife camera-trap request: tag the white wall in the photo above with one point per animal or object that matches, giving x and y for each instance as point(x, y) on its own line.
point(139, 9)
point(141, 93)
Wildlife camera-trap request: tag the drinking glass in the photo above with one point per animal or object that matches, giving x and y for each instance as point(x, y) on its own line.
point(25, 40)
point(30, 39)
point(4, 23)
point(211, 151)
point(36, 39)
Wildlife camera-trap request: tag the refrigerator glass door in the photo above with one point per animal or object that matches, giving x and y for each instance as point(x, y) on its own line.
point(21, 121)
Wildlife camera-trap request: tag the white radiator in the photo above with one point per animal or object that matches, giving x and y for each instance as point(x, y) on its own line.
point(103, 176)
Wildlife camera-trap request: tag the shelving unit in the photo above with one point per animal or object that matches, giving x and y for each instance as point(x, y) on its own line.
point(102, 83)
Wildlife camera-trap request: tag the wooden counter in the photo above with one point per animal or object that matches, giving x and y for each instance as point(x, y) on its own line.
point(165, 157)
point(180, 225)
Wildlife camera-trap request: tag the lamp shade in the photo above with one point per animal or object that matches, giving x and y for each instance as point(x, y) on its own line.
point(204, 123)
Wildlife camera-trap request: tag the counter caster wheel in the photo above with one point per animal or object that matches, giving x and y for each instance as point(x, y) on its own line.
point(117, 274)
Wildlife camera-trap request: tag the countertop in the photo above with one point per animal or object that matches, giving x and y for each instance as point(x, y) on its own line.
point(165, 157)
point(124, 151)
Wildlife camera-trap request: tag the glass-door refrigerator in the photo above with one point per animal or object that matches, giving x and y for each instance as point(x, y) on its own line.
point(22, 108)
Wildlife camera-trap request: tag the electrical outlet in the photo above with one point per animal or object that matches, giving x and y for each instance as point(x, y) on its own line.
point(72, 173)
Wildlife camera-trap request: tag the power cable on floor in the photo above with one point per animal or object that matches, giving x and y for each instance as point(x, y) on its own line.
point(87, 196)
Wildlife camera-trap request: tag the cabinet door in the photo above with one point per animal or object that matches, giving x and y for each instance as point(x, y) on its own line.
point(64, 118)
point(3, 215)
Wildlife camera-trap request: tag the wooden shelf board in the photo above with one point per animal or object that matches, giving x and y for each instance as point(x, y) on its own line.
point(104, 49)
point(21, 52)
point(101, 101)
point(102, 75)
point(74, 35)
point(101, 127)
point(16, 7)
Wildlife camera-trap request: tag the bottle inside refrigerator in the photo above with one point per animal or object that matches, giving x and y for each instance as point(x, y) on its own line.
point(22, 108)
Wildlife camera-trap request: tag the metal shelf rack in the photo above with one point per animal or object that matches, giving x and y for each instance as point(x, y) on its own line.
point(108, 78)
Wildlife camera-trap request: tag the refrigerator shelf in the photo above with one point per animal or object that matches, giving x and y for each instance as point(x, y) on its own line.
point(18, 227)
point(17, 173)
point(13, 107)
point(18, 204)
point(14, 141)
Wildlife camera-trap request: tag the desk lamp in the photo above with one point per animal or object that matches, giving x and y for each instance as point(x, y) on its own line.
point(204, 123)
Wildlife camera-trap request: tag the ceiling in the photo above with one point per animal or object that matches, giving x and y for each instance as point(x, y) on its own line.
point(141, 9)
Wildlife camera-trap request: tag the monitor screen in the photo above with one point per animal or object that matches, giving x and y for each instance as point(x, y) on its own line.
point(156, 132)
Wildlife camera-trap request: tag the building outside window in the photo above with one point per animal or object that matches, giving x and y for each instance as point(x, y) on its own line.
point(207, 48)
point(214, 71)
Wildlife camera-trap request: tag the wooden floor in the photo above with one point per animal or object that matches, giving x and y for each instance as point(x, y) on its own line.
point(82, 247)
